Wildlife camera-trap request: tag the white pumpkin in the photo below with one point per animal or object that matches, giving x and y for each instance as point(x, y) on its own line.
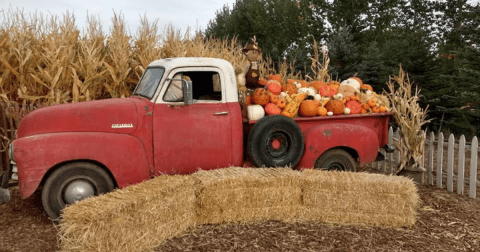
point(306, 90)
point(351, 82)
point(317, 97)
point(347, 111)
point(282, 95)
point(297, 84)
point(329, 113)
point(255, 112)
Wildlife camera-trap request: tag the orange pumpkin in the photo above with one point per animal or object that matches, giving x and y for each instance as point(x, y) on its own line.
point(281, 103)
point(260, 97)
point(382, 109)
point(375, 110)
point(248, 99)
point(322, 111)
point(371, 103)
point(335, 106)
point(333, 83)
point(366, 86)
point(272, 109)
point(354, 106)
point(317, 84)
point(308, 108)
point(274, 87)
point(328, 91)
point(303, 83)
point(290, 88)
point(276, 77)
point(365, 106)
point(364, 111)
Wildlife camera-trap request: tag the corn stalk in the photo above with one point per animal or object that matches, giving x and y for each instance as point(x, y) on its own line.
point(410, 118)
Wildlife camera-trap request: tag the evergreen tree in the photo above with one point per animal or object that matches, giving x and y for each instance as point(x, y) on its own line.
point(343, 54)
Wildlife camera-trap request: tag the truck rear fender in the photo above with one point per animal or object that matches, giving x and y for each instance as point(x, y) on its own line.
point(124, 157)
point(360, 141)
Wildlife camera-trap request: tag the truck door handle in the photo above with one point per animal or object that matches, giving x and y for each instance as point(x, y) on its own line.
point(221, 113)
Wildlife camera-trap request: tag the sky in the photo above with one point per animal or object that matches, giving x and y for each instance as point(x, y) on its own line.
point(182, 14)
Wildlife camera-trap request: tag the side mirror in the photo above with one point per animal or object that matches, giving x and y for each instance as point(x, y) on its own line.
point(187, 92)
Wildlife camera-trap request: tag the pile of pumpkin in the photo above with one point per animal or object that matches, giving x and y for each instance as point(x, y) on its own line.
point(315, 98)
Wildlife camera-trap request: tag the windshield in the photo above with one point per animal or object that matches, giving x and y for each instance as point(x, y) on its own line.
point(149, 82)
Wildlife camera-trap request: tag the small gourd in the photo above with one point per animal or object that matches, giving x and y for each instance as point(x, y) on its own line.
point(281, 103)
point(322, 111)
point(255, 112)
point(347, 111)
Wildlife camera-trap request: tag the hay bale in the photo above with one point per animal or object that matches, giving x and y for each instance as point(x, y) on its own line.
point(247, 195)
point(358, 198)
point(136, 218)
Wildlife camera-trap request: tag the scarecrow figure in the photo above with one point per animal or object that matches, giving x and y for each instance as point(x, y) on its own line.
point(254, 55)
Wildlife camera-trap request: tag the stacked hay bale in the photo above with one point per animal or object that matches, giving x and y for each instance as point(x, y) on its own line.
point(140, 217)
point(247, 195)
point(136, 218)
point(358, 198)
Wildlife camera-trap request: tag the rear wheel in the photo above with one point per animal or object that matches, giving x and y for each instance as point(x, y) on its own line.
point(336, 160)
point(73, 182)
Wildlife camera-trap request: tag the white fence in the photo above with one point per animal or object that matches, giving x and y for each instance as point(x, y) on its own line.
point(439, 172)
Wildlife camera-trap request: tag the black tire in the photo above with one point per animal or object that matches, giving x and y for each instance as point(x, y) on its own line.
point(53, 192)
point(336, 160)
point(275, 141)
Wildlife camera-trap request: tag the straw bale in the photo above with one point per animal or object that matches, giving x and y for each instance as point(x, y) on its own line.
point(247, 195)
point(358, 198)
point(136, 218)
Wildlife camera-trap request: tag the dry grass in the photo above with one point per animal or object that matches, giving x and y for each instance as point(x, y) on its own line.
point(410, 117)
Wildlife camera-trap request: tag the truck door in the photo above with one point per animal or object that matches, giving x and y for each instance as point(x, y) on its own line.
point(189, 137)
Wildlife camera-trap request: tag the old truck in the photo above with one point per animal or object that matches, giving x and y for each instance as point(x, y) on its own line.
point(184, 115)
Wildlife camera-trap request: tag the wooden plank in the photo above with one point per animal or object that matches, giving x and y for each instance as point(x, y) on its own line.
point(439, 160)
point(431, 150)
point(450, 159)
point(461, 165)
point(473, 169)
point(390, 155)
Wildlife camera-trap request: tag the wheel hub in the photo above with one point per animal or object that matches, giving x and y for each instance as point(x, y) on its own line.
point(78, 190)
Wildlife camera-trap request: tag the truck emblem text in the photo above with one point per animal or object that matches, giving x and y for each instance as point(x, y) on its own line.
point(119, 126)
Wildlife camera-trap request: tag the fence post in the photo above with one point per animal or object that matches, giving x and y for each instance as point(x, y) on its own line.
point(461, 165)
point(450, 159)
point(439, 160)
point(430, 159)
point(473, 168)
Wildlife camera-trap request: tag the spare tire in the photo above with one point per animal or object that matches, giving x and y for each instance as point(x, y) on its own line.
point(275, 141)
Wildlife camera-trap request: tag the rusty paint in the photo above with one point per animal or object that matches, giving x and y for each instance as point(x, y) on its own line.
point(312, 149)
point(327, 133)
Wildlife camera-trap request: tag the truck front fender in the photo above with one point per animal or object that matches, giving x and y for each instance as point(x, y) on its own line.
point(319, 139)
point(123, 155)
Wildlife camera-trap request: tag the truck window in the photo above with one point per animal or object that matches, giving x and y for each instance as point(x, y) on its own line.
point(206, 87)
point(149, 82)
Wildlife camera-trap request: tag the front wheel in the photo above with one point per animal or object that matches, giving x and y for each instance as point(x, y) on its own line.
point(73, 182)
point(336, 160)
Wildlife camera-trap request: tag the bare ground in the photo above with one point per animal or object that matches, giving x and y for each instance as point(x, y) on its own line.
point(445, 222)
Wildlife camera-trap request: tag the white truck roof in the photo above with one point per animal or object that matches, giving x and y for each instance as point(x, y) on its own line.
point(229, 83)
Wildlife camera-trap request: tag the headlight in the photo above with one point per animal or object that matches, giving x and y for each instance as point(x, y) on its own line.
point(10, 152)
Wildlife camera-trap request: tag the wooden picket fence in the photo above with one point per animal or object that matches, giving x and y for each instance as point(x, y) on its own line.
point(438, 170)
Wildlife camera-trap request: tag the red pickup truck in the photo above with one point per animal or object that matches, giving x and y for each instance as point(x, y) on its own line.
point(184, 115)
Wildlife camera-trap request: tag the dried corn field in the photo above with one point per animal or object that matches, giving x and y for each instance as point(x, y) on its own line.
point(48, 60)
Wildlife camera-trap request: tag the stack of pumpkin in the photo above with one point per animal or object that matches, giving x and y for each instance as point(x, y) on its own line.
point(315, 98)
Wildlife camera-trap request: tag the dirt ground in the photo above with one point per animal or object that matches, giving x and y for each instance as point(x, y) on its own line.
point(446, 222)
